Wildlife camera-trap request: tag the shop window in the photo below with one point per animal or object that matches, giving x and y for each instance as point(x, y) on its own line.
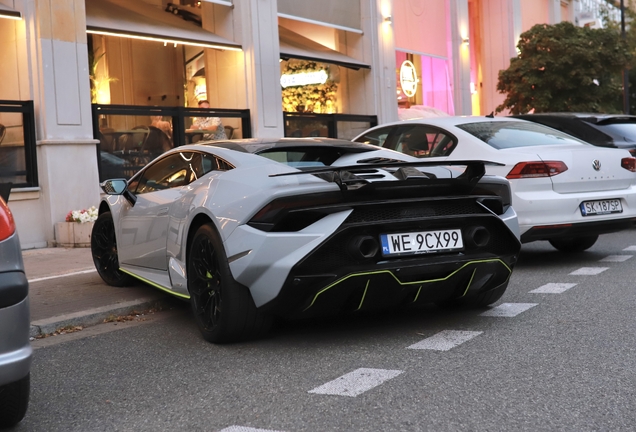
point(130, 137)
point(309, 87)
point(17, 144)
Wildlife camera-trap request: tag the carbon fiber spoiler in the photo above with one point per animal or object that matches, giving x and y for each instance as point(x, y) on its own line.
point(345, 176)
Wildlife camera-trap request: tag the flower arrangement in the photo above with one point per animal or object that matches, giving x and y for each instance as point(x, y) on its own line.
point(82, 216)
point(313, 98)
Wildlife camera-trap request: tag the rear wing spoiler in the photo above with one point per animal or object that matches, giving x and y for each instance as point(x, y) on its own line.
point(352, 176)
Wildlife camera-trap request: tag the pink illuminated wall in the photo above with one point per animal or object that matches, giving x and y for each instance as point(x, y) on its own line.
point(422, 28)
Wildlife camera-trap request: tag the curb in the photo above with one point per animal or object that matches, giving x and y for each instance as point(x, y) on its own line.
point(94, 316)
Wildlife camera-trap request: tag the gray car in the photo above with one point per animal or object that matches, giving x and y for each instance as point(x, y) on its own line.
point(15, 348)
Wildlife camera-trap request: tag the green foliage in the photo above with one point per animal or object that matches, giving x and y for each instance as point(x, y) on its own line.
point(563, 68)
point(316, 98)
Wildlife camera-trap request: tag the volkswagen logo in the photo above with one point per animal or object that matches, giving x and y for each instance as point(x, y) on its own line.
point(596, 164)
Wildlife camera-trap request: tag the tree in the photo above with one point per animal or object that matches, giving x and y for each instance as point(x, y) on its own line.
point(564, 68)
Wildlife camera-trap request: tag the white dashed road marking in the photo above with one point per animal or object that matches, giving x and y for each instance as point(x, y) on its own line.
point(356, 382)
point(616, 258)
point(244, 429)
point(588, 271)
point(62, 275)
point(445, 340)
point(630, 248)
point(553, 288)
point(508, 309)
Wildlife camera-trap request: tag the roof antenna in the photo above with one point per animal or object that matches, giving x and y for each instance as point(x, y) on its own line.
point(491, 115)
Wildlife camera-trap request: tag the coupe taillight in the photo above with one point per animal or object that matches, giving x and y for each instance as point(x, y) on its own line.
point(629, 163)
point(536, 169)
point(7, 225)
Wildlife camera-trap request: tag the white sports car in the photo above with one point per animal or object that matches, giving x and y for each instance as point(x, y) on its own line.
point(564, 190)
point(252, 229)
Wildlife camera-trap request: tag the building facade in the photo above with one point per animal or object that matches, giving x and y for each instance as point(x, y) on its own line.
point(89, 89)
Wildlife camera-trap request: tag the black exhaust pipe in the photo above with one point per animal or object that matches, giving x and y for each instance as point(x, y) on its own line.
point(477, 236)
point(363, 247)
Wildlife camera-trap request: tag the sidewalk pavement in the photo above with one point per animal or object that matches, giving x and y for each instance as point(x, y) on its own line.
point(65, 290)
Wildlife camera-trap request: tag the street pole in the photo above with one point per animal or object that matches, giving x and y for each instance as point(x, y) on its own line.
point(625, 71)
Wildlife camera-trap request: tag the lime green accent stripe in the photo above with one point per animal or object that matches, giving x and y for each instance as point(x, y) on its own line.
point(156, 285)
point(406, 283)
point(469, 282)
point(365, 294)
point(418, 294)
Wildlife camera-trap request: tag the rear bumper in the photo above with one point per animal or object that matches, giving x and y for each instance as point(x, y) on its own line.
point(577, 229)
point(15, 349)
point(391, 284)
point(332, 280)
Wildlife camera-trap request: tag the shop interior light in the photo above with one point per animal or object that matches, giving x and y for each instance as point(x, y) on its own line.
point(165, 41)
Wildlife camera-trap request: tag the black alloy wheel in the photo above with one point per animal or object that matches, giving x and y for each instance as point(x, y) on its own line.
point(104, 250)
point(223, 309)
point(204, 283)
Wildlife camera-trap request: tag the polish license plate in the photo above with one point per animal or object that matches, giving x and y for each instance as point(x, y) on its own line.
point(421, 242)
point(600, 207)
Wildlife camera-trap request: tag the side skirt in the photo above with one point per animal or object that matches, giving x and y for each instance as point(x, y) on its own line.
point(155, 278)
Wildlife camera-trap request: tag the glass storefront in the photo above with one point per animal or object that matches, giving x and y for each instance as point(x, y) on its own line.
point(131, 136)
point(423, 81)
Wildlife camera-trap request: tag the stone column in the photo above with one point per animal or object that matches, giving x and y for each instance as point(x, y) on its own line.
point(460, 28)
point(57, 61)
point(257, 25)
point(379, 47)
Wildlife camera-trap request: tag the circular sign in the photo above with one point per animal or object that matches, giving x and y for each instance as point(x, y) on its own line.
point(408, 78)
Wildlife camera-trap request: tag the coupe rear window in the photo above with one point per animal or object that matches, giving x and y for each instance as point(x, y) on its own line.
point(504, 135)
point(301, 157)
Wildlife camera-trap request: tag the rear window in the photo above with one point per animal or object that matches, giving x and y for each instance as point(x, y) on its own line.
point(625, 130)
point(504, 135)
point(303, 157)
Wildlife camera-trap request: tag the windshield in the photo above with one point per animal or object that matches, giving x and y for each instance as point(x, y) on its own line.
point(504, 135)
point(625, 130)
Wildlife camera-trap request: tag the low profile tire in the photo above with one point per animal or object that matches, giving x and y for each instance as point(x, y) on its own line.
point(14, 401)
point(223, 309)
point(578, 244)
point(104, 250)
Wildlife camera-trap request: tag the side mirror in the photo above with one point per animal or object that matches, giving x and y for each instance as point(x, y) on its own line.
point(118, 187)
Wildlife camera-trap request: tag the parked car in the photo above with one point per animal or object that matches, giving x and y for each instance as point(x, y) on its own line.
point(15, 348)
point(565, 190)
point(251, 229)
point(603, 130)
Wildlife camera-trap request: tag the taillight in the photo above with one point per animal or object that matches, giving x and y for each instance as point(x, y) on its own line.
point(7, 225)
point(633, 152)
point(629, 163)
point(536, 169)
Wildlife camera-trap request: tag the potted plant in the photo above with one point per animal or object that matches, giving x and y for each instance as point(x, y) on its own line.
point(76, 230)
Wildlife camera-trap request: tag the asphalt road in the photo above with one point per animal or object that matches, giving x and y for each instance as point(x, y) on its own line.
point(560, 359)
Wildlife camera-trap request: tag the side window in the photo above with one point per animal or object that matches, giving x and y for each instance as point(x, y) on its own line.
point(376, 137)
point(172, 171)
point(423, 141)
point(203, 163)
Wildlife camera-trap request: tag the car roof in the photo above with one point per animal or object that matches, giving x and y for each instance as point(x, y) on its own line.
point(599, 117)
point(450, 121)
point(257, 145)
